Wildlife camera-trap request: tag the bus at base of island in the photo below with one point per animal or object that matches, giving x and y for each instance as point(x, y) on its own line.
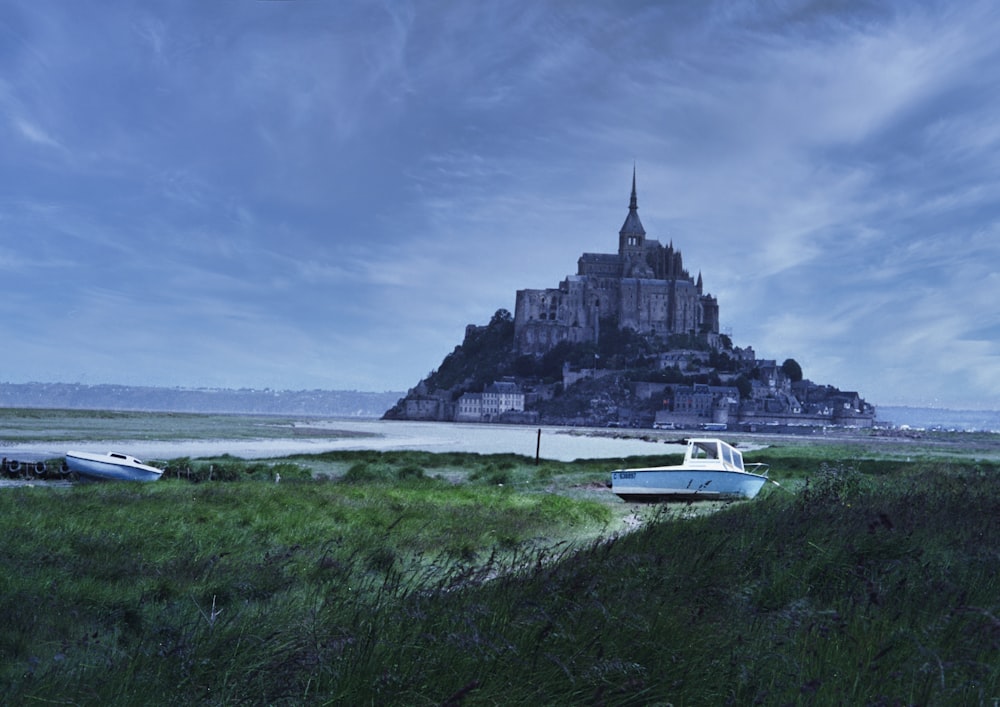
point(707, 426)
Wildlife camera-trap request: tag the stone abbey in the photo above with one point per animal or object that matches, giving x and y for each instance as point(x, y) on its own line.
point(643, 286)
point(685, 374)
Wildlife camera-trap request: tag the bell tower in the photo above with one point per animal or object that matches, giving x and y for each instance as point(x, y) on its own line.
point(632, 236)
point(632, 242)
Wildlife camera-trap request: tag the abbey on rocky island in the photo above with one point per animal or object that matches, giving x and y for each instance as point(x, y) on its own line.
point(665, 363)
point(643, 286)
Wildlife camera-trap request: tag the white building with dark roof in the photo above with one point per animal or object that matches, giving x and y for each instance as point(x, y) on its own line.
point(495, 400)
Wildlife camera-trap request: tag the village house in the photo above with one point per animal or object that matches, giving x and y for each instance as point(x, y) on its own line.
point(496, 399)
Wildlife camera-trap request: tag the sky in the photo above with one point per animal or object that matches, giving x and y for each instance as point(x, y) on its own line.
point(320, 194)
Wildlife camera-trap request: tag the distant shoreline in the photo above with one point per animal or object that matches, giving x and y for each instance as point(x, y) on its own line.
point(920, 418)
point(353, 404)
point(245, 401)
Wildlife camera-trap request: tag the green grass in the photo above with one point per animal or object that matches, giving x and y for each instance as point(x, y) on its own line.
point(40, 425)
point(480, 580)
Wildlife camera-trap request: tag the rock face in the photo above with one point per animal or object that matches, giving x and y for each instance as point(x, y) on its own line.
point(631, 340)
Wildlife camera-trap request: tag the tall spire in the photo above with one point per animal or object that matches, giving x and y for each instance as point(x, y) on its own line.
point(633, 203)
point(632, 226)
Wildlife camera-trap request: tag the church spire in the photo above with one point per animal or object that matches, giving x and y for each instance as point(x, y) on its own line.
point(632, 234)
point(633, 204)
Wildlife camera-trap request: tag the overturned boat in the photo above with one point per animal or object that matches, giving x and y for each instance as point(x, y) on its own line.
point(712, 469)
point(112, 466)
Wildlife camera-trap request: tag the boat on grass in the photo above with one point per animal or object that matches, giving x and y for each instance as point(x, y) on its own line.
point(712, 469)
point(112, 466)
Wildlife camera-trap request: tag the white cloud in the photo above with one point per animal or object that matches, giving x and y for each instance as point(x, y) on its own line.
point(34, 133)
point(278, 185)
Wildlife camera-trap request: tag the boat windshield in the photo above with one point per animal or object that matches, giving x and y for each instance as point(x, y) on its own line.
point(704, 450)
point(713, 449)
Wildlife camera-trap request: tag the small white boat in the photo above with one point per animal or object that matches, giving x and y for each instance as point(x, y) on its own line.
point(111, 467)
point(711, 469)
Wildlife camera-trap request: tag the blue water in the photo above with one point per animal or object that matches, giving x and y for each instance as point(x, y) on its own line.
point(940, 418)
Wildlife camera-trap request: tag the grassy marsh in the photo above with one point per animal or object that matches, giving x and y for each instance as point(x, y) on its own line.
point(43, 425)
point(414, 578)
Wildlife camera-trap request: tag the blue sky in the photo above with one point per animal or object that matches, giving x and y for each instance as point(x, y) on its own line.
point(310, 194)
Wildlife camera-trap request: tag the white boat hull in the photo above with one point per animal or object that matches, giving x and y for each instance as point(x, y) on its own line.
point(111, 467)
point(712, 469)
point(684, 484)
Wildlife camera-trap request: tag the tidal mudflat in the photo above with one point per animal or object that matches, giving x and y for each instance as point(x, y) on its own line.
point(167, 436)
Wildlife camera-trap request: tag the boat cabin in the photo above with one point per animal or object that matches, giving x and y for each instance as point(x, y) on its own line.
point(710, 453)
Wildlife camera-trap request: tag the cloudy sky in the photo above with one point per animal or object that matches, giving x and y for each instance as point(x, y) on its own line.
point(302, 194)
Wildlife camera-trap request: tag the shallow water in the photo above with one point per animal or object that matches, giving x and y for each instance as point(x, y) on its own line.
point(24, 482)
point(313, 436)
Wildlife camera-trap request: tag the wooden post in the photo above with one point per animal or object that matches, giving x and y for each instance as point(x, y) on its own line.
point(538, 446)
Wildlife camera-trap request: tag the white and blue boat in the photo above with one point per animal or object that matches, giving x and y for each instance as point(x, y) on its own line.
point(712, 470)
point(112, 466)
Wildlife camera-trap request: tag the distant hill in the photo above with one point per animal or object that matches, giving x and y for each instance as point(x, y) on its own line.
point(925, 418)
point(77, 396)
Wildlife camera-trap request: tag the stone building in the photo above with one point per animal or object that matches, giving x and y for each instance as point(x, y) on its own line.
point(643, 286)
point(469, 408)
point(496, 400)
point(501, 397)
